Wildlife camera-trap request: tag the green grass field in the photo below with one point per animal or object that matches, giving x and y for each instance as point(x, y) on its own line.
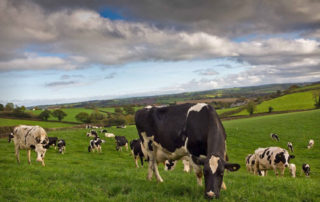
point(295, 101)
point(111, 176)
point(44, 124)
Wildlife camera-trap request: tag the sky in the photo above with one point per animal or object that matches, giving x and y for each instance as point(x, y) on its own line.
point(61, 51)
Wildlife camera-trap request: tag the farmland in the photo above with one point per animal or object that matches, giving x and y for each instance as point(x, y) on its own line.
point(112, 176)
point(15, 122)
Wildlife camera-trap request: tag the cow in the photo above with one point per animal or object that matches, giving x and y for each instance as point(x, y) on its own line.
point(193, 130)
point(95, 144)
point(290, 146)
point(306, 169)
point(122, 126)
point(29, 138)
point(250, 164)
point(103, 131)
point(271, 158)
point(274, 137)
point(61, 146)
point(120, 142)
point(311, 143)
point(92, 133)
point(53, 141)
point(292, 169)
point(10, 137)
point(137, 151)
point(109, 135)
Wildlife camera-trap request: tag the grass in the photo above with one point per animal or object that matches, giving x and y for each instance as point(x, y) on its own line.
point(111, 176)
point(295, 101)
point(221, 111)
point(15, 122)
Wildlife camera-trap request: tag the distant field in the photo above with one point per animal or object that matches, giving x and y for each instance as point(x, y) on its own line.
point(15, 122)
point(295, 101)
point(307, 87)
point(111, 176)
point(221, 111)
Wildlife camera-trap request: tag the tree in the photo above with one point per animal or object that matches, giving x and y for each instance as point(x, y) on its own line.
point(316, 97)
point(44, 115)
point(251, 107)
point(83, 117)
point(9, 107)
point(270, 109)
point(95, 117)
point(129, 109)
point(59, 114)
point(118, 110)
point(1, 107)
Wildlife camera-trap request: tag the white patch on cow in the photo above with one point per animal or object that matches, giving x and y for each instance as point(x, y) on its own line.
point(163, 154)
point(213, 163)
point(210, 193)
point(196, 108)
point(311, 143)
point(186, 165)
point(292, 169)
point(148, 107)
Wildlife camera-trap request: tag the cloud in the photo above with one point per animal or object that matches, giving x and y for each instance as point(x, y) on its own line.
point(67, 76)
point(61, 83)
point(206, 72)
point(110, 76)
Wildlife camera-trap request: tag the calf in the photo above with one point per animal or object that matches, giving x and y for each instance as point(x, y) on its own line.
point(10, 137)
point(120, 142)
point(92, 133)
point(95, 144)
point(306, 169)
point(292, 169)
point(52, 141)
point(137, 151)
point(109, 135)
point(61, 146)
point(274, 137)
point(271, 158)
point(290, 147)
point(311, 143)
point(30, 137)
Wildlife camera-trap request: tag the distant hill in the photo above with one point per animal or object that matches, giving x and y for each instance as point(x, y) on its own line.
point(205, 96)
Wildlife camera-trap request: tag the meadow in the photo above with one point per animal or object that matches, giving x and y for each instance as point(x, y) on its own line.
point(44, 124)
point(111, 175)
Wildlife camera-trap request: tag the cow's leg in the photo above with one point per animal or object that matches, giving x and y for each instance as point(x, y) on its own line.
point(256, 168)
point(17, 154)
point(136, 161)
point(223, 186)
point(29, 156)
point(126, 145)
point(275, 171)
point(141, 159)
point(282, 171)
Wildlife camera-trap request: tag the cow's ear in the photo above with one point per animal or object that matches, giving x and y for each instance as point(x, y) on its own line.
point(198, 161)
point(292, 156)
point(232, 166)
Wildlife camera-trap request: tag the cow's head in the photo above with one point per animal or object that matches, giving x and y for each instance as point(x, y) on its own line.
point(213, 169)
point(283, 157)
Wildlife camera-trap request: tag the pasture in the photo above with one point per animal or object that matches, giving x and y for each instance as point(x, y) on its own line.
point(44, 124)
point(112, 176)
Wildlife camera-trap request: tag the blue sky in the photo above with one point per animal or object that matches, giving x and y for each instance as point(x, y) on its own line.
point(56, 53)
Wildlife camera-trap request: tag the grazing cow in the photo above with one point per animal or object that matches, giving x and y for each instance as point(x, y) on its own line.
point(306, 169)
point(274, 137)
point(30, 137)
point(137, 151)
point(271, 158)
point(10, 137)
point(95, 144)
point(61, 146)
point(290, 146)
point(311, 143)
point(103, 131)
point(250, 164)
point(120, 142)
point(109, 135)
point(292, 169)
point(88, 126)
point(192, 130)
point(53, 141)
point(92, 133)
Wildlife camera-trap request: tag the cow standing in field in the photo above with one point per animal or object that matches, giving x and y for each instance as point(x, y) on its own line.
point(92, 133)
point(306, 169)
point(271, 158)
point(30, 137)
point(292, 169)
point(120, 142)
point(193, 130)
point(290, 146)
point(250, 163)
point(95, 145)
point(311, 143)
point(61, 146)
point(136, 149)
point(274, 137)
point(53, 141)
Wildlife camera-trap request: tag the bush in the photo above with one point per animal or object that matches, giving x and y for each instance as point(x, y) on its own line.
point(270, 109)
point(83, 117)
point(44, 115)
point(59, 114)
point(251, 107)
point(316, 97)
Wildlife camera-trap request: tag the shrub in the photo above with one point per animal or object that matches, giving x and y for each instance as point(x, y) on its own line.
point(270, 109)
point(59, 114)
point(316, 97)
point(251, 107)
point(83, 117)
point(44, 115)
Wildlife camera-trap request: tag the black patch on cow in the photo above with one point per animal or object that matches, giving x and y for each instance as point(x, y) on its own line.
point(268, 153)
point(262, 156)
point(253, 161)
point(269, 158)
point(150, 145)
point(280, 158)
point(249, 158)
point(170, 164)
point(25, 137)
point(32, 146)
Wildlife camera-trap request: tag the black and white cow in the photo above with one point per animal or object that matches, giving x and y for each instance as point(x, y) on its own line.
point(292, 169)
point(193, 130)
point(290, 146)
point(250, 164)
point(10, 137)
point(120, 142)
point(137, 151)
point(311, 143)
point(53, 141)
point(274, 137)
point(103, 131)
point(92, 133)
point(271, 158)
point(61, 146)
point(306, 169)
point(95, 145)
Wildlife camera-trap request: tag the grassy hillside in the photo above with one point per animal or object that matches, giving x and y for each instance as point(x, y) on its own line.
point(112, 176)
point(15, 122)
point(295, 101)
